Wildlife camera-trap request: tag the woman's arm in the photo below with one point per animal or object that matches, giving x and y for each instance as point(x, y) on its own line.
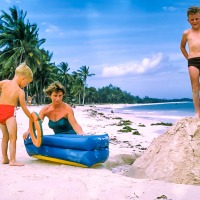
point(77, 128)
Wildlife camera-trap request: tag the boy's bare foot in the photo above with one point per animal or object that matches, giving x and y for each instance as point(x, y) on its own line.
point(15, 164)
point(5, 161)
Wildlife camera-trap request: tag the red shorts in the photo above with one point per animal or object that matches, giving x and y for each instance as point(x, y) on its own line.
point(6, 112)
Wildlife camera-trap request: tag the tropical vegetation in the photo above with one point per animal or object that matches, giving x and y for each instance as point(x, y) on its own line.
point(20, 42)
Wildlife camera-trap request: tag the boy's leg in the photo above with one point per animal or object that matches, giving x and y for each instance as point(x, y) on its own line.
point(4, 144)
point(194, 78)
point(12, 130)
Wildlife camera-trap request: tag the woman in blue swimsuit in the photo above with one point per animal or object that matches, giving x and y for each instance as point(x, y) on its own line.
point(61, 115)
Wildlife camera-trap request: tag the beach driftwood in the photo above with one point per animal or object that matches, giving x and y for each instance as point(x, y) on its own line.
point(173, 156)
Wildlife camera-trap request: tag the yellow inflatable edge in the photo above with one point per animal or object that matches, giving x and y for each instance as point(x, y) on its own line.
point(65, 162)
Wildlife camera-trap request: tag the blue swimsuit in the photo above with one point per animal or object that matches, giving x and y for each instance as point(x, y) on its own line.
point(61, 126)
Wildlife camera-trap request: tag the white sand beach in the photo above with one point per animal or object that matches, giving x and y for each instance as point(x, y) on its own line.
point(43, 180)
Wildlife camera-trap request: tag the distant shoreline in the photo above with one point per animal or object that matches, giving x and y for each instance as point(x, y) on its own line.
point(133, 104)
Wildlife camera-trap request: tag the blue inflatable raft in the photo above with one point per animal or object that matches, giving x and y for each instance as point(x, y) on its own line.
point(71, 149)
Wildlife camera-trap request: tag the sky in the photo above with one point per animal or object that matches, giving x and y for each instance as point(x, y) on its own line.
point(131, 44)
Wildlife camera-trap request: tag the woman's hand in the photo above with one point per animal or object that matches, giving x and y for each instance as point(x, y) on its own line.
point(25, 135)
point(83, 134)
point(31, 118)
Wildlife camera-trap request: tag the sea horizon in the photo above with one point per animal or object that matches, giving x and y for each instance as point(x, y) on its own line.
point(168, 112)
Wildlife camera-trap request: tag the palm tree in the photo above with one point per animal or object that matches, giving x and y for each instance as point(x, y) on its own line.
point(19, 41)
point(76, 86)
point(44, 77)
point(91, 94)
point(64, 76)
point(83, 72)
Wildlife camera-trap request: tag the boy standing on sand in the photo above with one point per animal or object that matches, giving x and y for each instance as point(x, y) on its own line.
point(192, 37)
point(11, 93)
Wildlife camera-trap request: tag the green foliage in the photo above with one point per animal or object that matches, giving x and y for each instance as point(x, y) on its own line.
point(117, 118)
point(124, 123)
point(114, 95)
point(19, 42)
point(141, 125)
point(162, 124)
point(136, 133)
point(125, 129)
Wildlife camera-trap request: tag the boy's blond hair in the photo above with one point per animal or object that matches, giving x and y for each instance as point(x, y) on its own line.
point(24, 70)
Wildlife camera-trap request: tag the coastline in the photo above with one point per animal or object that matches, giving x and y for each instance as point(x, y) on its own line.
point(46, 180)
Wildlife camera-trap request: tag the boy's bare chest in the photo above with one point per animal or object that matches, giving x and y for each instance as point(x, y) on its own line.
point(194, 36)
point(194, 41)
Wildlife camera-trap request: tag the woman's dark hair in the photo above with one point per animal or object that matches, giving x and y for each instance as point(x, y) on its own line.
point(55, 87)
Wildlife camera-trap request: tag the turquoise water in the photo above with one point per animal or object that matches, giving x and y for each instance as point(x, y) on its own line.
point(166, 112)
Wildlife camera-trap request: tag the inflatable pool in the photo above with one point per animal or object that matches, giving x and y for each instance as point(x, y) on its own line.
point(66, 148)
point(71, 149)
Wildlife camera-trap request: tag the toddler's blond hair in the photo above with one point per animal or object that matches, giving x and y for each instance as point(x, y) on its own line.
point(24, 70)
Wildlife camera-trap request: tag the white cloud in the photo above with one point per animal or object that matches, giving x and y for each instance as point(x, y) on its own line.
point(11, 1)
point(51, 29)
point(142, 67)
point(170, 8)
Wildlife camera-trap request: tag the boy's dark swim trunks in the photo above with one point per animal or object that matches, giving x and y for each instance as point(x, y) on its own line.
point(194, 62)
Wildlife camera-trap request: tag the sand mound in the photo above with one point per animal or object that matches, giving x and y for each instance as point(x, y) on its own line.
point(173, 156)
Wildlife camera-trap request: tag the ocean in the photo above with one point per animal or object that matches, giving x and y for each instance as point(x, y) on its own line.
point(165, 112)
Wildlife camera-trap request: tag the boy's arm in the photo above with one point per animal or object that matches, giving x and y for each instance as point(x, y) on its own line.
point(2, 83)
point(40, 117)
point(23, 103)
point(183, 44)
